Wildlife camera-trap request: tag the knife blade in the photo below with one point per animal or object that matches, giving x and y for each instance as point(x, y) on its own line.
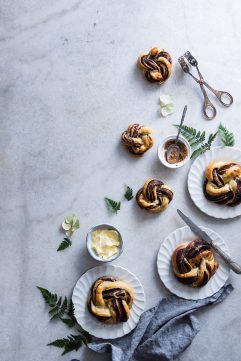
point(197, 230)
point(204, 236)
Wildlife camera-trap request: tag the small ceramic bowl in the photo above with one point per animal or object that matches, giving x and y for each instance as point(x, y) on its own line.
point(161, 152)
point(89, 240)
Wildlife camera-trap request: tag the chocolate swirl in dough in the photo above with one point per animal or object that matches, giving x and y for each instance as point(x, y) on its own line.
point(156, 65)
point(193, 263)
point(110, 300)
point(223, 183)
point(138, 138)
point(154, 196)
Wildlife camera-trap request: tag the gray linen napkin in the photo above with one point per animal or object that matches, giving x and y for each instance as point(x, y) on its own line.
point(163, 331)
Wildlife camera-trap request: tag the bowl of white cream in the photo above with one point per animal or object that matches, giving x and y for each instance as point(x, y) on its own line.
point(104, 243)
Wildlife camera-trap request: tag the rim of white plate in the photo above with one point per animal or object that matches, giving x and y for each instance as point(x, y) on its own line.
point(196, 179)
point(80, 296)
point(167, 276)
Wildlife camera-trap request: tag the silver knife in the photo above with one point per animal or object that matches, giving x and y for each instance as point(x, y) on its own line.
point(203, 235)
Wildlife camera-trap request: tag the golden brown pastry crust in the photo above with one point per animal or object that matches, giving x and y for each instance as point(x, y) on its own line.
point(223, 183)
point(154, 196)
point(110, 300)
point(193, 263)
point(156, 65)
point(138, 138)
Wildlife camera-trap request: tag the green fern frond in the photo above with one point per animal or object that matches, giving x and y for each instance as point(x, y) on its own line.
point(64, 244)
point(113, 206)
point(129, 193)
point(193, 136)
point(197, 139)
point(71, 342)
point(226, 137)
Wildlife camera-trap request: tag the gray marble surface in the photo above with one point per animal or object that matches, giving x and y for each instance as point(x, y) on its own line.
point(69, 87)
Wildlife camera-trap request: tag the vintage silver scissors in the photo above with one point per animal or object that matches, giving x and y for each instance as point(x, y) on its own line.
point(209, 109)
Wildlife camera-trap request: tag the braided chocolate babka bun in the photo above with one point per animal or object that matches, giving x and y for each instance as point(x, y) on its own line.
point(110, 300)
point(138, 138)
point(154, 196)
point(156, 65)
point(193, 263)
point(223, 183)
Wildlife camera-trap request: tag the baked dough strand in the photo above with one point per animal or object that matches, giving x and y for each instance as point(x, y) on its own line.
point(223, 183)
point(138, 138)
point(193, 263)
point(156, 65)
point(110, 300)
point(154, 196)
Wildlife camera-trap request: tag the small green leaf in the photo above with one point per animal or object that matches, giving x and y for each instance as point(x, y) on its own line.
point(112, 205)
point(49, 297)
point(211, 138)
point(197, 152)
point(193, 136)
point(55, 309)
point(58, 311)
point(202, 149)
point(71, 309)
point(226, 137)
point(64, 305)
point(68, 321)
point(64, 244)
point(58, 343)
point(72, 342)
point(129, 193)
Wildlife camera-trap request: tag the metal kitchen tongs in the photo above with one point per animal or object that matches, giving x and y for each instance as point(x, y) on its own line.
point(207, 105)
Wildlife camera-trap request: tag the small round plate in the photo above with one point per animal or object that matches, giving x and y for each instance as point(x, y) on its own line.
point(164, 265)
point(196, 179)
point(80, 296)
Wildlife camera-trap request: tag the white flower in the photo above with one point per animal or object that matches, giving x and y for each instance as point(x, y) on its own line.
point(70, 224)
point(166, 105)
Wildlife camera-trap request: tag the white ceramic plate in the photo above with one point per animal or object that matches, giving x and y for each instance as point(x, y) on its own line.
point(167, 276)
point(196, 179)
point(88, 321)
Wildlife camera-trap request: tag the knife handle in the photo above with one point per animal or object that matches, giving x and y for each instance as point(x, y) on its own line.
point(232, 264)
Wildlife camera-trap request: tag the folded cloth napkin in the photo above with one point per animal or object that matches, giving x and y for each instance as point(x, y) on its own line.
point(163, 331)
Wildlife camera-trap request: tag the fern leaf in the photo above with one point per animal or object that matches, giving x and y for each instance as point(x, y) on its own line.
point(226, 137)
point(129, 193)
point(50, 298)
point(68, 321)
point(59, 310)
point(197, 139)
point(211, 138)
point(64, 244)
point(193, 136)
point(202, 149)
point(71, 309)
point(71, 343)
point(112, 205)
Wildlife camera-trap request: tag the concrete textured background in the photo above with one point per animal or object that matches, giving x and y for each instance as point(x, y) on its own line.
point(69, 87)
